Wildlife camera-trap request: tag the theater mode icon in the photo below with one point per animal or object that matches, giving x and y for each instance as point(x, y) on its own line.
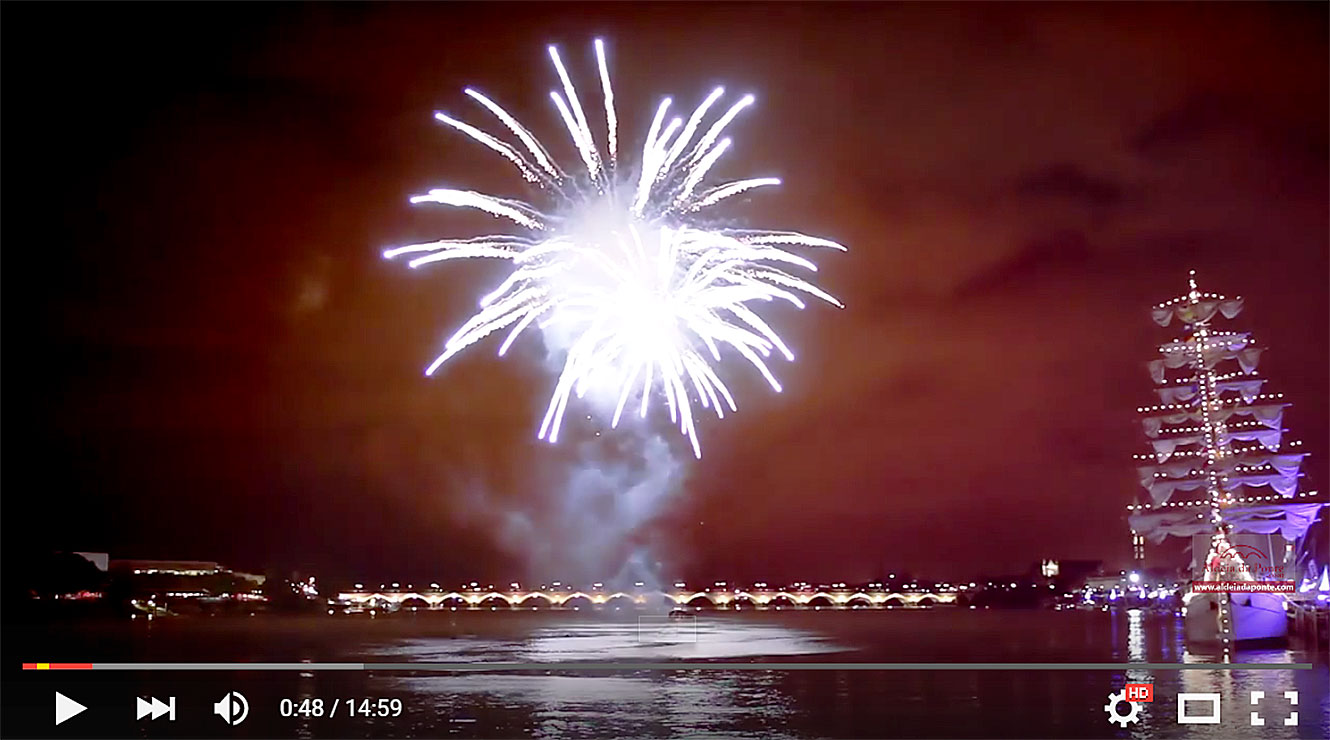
point(232, 708)
point(1191, 705)
point(154, 706)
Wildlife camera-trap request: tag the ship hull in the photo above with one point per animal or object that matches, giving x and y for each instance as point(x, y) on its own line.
point(1256, 617)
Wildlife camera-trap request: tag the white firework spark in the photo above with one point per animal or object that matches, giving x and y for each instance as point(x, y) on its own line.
point(624, 270)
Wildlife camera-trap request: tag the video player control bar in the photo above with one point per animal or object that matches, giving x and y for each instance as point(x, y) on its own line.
point(662, 666)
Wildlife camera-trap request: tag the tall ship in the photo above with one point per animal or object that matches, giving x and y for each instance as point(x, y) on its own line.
point(1223, 472)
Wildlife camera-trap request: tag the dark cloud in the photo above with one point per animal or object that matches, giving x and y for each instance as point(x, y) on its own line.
point(1041, 258)
point(1070, 182)
point(1187, 124)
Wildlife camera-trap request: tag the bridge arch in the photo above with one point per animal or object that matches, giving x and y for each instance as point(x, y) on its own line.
point(579, 601)
point(744, 600)
point(700, 600)
point(414, 602)
point(452, 600)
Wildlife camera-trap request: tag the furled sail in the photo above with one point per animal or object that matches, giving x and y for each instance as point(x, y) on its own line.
point(1248, 359)
point(1195, 313)
point(1249, 389)
point(1289, 520)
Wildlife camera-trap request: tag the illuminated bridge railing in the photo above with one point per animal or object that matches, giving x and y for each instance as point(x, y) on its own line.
point(755, 599)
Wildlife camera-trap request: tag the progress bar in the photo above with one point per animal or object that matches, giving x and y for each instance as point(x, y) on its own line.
point(662, 666)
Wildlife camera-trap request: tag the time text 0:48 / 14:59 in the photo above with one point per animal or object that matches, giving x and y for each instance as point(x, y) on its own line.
point(349, 707)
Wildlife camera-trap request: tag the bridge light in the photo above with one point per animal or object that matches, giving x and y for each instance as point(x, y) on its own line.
point(397, 585)
point(515, 586)
point(360, 585)
point(434, 585)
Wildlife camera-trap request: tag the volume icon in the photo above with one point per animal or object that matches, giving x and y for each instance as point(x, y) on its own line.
point(232, 708)
point(156, 707)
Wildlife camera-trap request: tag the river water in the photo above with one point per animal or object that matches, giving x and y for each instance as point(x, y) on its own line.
point(652, 703)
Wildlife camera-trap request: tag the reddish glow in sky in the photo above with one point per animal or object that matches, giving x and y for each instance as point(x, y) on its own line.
point(209, 360)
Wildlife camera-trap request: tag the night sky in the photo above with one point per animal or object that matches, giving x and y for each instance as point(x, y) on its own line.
point(207, 358)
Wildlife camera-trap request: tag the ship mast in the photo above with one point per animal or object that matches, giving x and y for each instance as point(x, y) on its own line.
point(1213, 428)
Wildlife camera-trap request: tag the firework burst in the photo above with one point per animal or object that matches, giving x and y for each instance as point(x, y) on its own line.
point(621, 269)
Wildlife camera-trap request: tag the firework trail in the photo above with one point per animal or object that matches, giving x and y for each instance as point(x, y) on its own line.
point(622, 265)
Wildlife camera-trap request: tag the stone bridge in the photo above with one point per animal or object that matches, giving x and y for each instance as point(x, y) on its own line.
point(709, 599)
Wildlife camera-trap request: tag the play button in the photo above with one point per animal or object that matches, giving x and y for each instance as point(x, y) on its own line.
point(66, 707)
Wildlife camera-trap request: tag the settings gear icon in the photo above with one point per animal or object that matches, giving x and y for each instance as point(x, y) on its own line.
point(1132, 715)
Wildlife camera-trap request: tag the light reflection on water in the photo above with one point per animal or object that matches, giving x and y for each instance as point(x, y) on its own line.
point(841, 704)
point(621, 641)
point(619, 706)
point(637, 703)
